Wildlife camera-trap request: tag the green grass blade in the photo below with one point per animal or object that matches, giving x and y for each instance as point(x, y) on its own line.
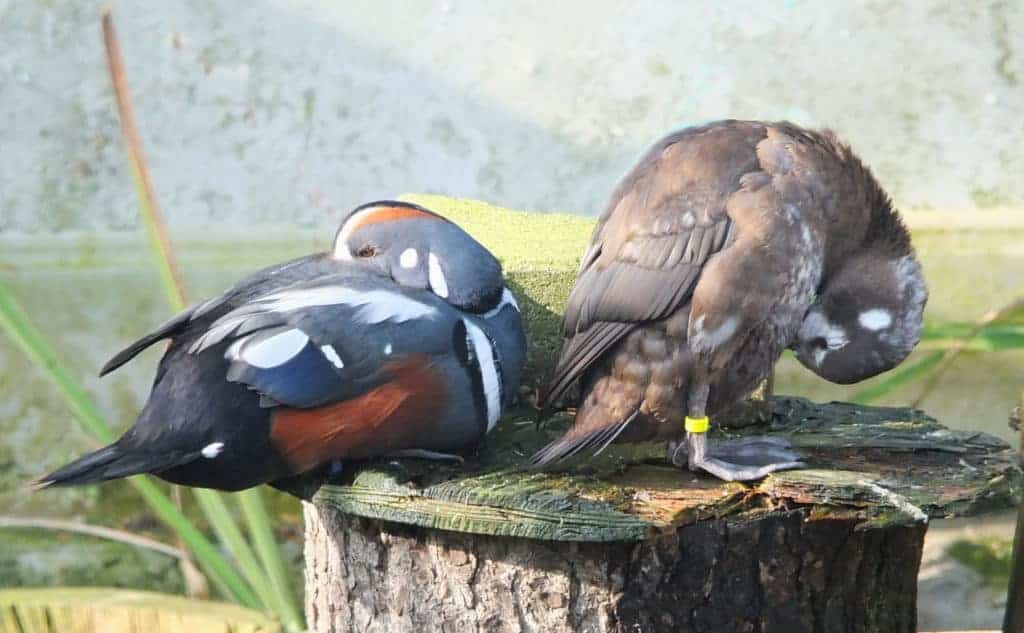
point(269, 580)
point(26, 337)
point(163, 252)
point(994, 317)
point(992, 338)
point(211, 503)
point(263, 538)
point(899, 377)
point(216, 511)
point(220, 571)
point(272, 587)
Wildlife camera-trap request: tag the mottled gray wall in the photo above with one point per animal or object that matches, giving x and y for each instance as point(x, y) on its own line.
point(273, 111)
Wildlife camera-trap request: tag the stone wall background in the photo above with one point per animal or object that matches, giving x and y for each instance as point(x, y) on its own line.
point(292, 112)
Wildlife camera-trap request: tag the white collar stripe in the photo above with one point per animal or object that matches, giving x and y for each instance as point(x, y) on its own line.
point(484, 352)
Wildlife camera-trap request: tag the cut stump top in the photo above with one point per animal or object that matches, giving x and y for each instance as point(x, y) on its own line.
point(881, 465)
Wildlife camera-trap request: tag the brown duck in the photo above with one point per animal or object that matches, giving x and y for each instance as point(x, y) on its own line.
point(725, 245)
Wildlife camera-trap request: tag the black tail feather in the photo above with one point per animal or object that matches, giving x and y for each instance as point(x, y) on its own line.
point(167, 330)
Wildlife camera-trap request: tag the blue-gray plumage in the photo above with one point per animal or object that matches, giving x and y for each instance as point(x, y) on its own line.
point(326, 358)
point(726, 244)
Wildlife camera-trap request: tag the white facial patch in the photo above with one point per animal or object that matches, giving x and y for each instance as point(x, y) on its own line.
point(815, 326)
point(875, 319)
point(819, 355)
point(331, 354)
point(270, 352)
point(341, 250)
point(436, 276)
point(409, 258)
point(212, 450)
point(484, 353)
point(387, 349)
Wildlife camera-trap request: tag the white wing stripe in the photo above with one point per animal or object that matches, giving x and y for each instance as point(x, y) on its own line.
point(270, 352)
point(378, 305)
point(372, 307)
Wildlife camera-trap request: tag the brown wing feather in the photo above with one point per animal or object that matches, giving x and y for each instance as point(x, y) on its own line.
point(665, 220)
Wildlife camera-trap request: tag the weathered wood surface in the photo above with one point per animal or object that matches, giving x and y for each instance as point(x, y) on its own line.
point(878, 466)
point(776, 573)
point(97, 609)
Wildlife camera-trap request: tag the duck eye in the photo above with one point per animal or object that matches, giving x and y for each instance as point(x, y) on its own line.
point(367, 251)
point(819, 342)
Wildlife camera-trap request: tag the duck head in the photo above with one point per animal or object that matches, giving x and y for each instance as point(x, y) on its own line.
point(420, 249)
point(866, 319)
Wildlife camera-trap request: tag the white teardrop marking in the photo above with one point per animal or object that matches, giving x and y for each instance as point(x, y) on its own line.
point(437, 281)
point(484, 353)
point(875, 319)
point(409, 258)
point(331, 354)
point(212, 450)
point(276, 350)
point(387, 349)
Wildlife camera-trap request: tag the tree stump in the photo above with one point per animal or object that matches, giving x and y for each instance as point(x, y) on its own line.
point(625, 543)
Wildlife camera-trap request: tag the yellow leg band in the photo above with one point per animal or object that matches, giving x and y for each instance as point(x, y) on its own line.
point(696, 425)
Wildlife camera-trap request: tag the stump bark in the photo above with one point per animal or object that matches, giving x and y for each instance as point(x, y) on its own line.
point(625, 543)
point(778, 573)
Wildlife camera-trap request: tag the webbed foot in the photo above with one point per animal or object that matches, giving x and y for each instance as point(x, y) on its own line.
point(742, 459)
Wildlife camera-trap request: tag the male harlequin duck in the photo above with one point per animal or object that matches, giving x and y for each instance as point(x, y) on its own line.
point(726, 244)
point(402, 341)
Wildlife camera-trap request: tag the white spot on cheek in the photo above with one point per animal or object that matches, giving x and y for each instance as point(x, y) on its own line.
point(212, 450)
point(816, 326)
point(387, 349)
point(875, 319)
point(409, 258)
point(437, 281)
point(332, 355)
